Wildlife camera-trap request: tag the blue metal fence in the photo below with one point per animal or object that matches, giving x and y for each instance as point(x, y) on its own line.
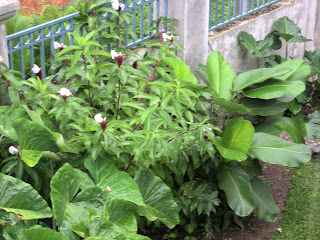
point(35, 45)
point(223, 12)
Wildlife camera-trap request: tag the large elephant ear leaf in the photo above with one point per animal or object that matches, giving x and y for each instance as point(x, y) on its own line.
point(7, 116)
point(157, 196)
point(64, 186)
point(43, 233)
point(105, 174)
point(34, 140)
point(20, 198)
point(274, 150)
point(235, 182)
point(300, 70)
point(263, 205)
point(220, 75)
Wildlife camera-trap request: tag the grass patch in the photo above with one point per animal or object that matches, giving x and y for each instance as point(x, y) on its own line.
point(302, 217)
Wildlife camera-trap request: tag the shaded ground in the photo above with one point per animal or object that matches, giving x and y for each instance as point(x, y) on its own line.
point(277, 179)
point(36, 5)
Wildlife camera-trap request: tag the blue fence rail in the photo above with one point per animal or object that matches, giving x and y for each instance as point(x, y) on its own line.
point(223, 12)
point(35, 45)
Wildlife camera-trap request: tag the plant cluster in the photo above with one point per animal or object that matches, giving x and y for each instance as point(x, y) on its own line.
point(110, 144)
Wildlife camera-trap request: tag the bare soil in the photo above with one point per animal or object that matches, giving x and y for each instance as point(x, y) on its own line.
point(30, 6)
point(278, 179)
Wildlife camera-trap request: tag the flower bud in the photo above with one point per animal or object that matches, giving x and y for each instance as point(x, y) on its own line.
point(135, 65)
point(13, 150)
point(119, 59)
point(103, 121)
point(108, 189)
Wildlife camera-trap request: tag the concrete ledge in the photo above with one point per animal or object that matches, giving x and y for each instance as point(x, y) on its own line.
point(8, 8)
point(305, 13)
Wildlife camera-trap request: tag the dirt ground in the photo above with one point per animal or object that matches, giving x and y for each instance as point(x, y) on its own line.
point(36, 5)
point(278, 179)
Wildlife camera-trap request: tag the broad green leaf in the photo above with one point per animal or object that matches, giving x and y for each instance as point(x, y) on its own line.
point(300, 70)
point(238, 134)
point(286, 28)
point(64, 186)
point(315, 63)
point(260, 48)
point(274, 150)
point(181, 70)
point(294, 106)
point(294, 126)
point(201, 71)
point(20, 198)
point(263, 107)
point(274, 88)
point(235, 182)
point(313, 125)
point(299, 39)
point(43, 233)
point(246, 79)
point(34, 139)
point(229, 153)
point(263, 205)
point(158, 199)
point(105, 174)
point(7, 116)
point(231, 107)
point(122, 213)
point(220, 76)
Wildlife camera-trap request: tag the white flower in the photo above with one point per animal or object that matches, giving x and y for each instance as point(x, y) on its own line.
point(166, 37)
point(99, 119)
point(65, 92)
point(279, 230)
point(114, 54)
point(13, 150)
point(35, 68)
point(1, 59)
point(57, 45)
point(117, 6)
point(108, 189)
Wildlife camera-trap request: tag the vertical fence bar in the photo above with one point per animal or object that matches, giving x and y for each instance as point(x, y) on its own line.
point(229, 9)
point(21, 56)
point(10, 54)
point(42, 55)
point(241, 7)
point(222, 11)
point(141, 21)
point(31, 38)
point(149, 17)
point(258, 3)
point(235, 8)
point(216, 13)
point(134, 20)
point(210, 14)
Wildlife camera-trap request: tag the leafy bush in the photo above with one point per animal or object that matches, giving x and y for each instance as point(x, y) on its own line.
point(126, 138)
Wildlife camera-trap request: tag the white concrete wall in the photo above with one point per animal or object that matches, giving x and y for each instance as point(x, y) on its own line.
point(305, 13)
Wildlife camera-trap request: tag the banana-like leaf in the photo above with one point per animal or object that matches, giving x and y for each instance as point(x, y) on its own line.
point(235, 182)
point(238, 134)
point(220, 76)
point(231, 107)
point(229, 153)
point(34, 140)
point(263, 107)
point(43, 233)
point(246, 79)
point(157, 196)
point(274, 150)
point(20, 198)
point(263, 205)
point(300, 70)
point(105, 174)
point(274, 88)
point(7, 116)
point(294, 127)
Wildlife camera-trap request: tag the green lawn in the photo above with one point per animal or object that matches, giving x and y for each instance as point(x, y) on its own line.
point(301, 220)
